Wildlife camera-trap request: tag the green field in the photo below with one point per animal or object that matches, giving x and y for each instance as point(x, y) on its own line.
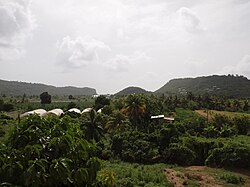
point(212, 113)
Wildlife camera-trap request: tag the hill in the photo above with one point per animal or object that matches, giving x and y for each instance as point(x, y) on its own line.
point(231, 86)
point(131, 90)
point(15, 88)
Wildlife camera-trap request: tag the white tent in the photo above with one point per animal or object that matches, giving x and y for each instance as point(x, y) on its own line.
point(39, 112)
point(76, 110)
point(86, 110)
point(57, 112)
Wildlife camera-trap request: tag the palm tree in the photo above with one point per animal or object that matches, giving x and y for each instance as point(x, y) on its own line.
point(94, 130)
point(135, 108)
point(117, 122)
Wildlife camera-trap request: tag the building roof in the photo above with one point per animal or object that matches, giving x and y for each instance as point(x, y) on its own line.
point(157, 117)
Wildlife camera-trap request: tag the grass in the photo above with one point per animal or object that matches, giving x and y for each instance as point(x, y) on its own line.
point(185, 114)
point(127, 174)
point(212, 113)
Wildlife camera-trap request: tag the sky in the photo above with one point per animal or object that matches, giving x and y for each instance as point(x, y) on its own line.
point(112, 44)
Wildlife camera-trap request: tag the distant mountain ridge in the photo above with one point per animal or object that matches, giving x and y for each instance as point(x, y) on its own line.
point(15, 88)
point(230, 85)
point(131, 90)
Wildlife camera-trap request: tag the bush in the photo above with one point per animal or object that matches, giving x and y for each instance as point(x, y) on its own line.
point(233, 153)
point(233, 179)
point(135, 146)
point(199, 146)
point(48, 152)
point(2, 132)
point(178, 154)
point(4, 116)
point(242, 124)
point(8, 107)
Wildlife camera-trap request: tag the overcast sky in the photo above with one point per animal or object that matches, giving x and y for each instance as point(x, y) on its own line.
point(111, 44)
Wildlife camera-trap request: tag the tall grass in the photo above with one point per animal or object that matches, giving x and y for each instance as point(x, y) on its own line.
point(127, 174)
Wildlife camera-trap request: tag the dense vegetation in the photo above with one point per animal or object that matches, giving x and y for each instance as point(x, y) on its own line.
point(68, 151)
point(231, 86)
point(14, 88)
point(48, 152)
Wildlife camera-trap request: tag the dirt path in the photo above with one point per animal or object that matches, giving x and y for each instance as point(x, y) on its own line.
point(193, 173)
point(199, 174)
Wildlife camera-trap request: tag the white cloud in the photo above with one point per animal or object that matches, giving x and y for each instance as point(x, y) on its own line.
point(190, 20)
point(122, 63)
point(79, 52)
point(184, 38)
point(16, 24)
point(242, 68)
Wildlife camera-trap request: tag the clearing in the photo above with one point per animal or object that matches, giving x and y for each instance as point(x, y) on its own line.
point(206, 177)
point(211, 113)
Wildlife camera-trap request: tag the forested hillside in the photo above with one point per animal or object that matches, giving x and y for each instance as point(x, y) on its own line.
point(231, 86)
point(131, 90)
point(15, 88)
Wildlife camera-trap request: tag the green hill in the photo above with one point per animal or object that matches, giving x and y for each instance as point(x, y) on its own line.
point(15, 88)
point(231, 86)
point(131, 90)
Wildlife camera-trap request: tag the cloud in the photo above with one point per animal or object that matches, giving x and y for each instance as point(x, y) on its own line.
point(122, 63)
point(79, 52)
point(242, 68)
point(190, 20)
point(16, 24)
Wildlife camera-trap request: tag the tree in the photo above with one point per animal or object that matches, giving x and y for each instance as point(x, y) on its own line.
point(1, 104)
point(135, 108)
point(117, 122)
point(71, 97)
point(45, 98)
point(101, 101)
point(94, 130)
point(246, 105)
point(24, 98)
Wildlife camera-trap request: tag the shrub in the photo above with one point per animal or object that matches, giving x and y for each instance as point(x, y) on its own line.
point(233, 153)
point(233, 179)
point(4, 116)
point(2, 132)
point(242, 124)
point(48, 152)
point(135, 146)
point(178, 154)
